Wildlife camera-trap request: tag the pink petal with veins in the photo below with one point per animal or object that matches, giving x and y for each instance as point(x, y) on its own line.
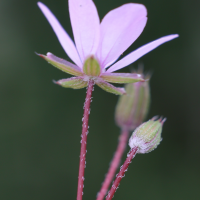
point(119, 29)
point(132, 57)
point(61, 34)
point(86, 26)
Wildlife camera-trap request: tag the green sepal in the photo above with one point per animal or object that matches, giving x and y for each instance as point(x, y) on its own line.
point(121, 77)
point(62, 64)
point(110, 88)
point(91, 67)
point(74, 83)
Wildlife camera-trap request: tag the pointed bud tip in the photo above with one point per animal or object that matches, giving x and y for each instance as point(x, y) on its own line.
point(142, 77)
point(161, 119)
point(155, 118)
point(147, 76)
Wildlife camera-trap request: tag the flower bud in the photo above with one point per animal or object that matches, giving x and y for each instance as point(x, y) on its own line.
point(133, 107)
point(147, 136)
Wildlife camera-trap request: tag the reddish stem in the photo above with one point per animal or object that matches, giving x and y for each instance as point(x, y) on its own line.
point(114, 164)
point(84, 140)
point(121, 173)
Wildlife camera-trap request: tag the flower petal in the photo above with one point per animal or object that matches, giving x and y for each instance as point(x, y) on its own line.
point(121, 77)
point(85, 24)
point(74, 83)
point(61, 34)
point(62, 64)
point(119, 29)
point(110, 88)
point(132, 57)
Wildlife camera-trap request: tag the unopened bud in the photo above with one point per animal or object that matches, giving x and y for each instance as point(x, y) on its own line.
point(147, 136)
point(132, 107)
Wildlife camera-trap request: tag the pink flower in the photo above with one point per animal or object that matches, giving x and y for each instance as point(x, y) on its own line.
point(99, 45)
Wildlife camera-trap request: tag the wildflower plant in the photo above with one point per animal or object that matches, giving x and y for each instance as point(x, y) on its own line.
point(95, 53)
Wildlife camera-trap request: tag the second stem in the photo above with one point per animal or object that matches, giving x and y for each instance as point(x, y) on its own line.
point(121, 173)
point(114, 164)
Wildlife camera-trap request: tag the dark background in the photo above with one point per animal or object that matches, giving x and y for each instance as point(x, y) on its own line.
point(40, 122)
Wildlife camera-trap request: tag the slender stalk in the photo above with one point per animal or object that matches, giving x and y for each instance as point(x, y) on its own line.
point(121, 173)
point(84, 140)
point(114, 164)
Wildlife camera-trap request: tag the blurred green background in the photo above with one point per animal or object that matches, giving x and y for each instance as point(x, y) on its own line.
point(40, 122)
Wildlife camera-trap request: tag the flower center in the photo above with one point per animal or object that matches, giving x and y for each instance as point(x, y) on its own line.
point(91, 67)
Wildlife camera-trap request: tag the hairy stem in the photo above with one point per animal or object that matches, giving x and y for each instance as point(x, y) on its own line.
point(114, 164)
point(121, 173)
point(82, 161)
